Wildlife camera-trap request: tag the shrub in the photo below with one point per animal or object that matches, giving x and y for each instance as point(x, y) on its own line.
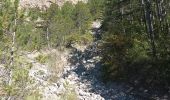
point(55, 64)
point(42, 58)
point(115, 55)
point(79, 38)
point(69, 93)
point(33, 96)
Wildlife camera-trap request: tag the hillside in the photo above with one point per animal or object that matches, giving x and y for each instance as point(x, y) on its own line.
point(85, 50)
point(41, 3)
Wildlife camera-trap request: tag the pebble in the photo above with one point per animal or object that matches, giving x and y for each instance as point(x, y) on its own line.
point(84, 79)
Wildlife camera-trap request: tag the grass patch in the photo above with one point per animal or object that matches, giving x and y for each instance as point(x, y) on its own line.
point(34, 96)
point(69, 93)
point(56, 64)
point(42, 58)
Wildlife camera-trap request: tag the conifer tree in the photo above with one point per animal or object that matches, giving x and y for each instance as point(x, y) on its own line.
point(96, 8)
point(82, 17)
point(136, 29)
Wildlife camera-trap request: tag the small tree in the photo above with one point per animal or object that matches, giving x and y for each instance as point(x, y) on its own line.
point(82, 17)
point(96, 8)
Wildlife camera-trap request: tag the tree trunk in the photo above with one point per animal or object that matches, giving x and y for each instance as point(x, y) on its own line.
point(148, 19)
point(12, 54)
point(47, 34)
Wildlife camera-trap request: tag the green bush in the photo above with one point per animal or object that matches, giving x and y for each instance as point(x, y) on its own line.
point(115, 55)
point(79, 38)
point(70, 93)
point(33, 96)
point(130, 59)
point(42, 58)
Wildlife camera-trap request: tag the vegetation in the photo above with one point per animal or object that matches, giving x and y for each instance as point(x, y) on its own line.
point(96, 8)
point(33, 96)
point(69, 93)
point(42, 58)
point(136, 41)
point(30, 29)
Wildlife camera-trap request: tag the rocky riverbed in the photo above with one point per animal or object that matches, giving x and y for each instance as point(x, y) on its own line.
point(80, 79)
point(77, 75)
point(82, 74)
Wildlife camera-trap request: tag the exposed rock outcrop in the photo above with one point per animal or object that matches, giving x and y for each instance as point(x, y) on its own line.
point(44, 3)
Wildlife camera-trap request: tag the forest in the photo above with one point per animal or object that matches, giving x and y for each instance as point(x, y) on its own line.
point(57, 46)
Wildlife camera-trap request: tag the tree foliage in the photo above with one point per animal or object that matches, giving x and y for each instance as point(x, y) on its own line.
point(96, 8)
point(82, 17)
point(136, 40)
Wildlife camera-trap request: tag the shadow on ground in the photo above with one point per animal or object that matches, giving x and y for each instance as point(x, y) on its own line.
point(87, 66)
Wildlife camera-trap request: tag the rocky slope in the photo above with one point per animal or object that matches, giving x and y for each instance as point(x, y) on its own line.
point(81, 76)
point(43, 3)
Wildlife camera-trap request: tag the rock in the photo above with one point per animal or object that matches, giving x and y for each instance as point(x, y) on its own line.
point(84, 61)
point(81, 93)
point(145, 91)
point(61, 89)
point(83, 77)
point(90, 61)
point(129, 90)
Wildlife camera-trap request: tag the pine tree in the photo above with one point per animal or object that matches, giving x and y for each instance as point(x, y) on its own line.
point(82, 17)
point(135, 30)
point(96, 8)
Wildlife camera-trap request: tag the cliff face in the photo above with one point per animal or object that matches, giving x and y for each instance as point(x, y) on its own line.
point(44, 3)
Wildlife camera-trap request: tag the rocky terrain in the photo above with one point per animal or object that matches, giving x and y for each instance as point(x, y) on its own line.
point(82, 74)
point(79, 79)
point(43, 3)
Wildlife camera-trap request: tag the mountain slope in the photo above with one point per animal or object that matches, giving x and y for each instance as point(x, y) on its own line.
point(42, 3)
